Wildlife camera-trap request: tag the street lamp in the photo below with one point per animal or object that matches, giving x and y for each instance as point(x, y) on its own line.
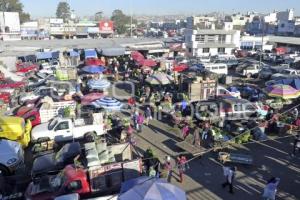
point(262, 41)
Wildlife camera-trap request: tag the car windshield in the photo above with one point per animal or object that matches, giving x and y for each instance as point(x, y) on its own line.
point(52, 123)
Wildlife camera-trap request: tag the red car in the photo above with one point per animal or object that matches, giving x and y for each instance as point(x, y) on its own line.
point(26, 67)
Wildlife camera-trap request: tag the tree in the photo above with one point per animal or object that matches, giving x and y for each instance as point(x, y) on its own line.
point(120, 20)
point(14, 6)
point(63, 11)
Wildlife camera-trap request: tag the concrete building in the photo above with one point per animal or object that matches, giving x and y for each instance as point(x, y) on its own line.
point(200, 22)
point(255, 43)
point(285, 15)
point(211, 42)
point(30, 30)
point(10, 26)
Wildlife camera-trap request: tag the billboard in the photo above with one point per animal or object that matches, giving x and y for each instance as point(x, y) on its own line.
point(106, 27)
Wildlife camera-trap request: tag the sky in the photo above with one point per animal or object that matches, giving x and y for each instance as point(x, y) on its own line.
point(47, 8)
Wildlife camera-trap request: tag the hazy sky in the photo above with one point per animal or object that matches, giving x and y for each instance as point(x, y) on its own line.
point(47, 8)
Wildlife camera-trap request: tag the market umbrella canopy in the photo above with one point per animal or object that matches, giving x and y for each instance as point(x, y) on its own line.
point(159, 79)
point(94, 62)
point(87, 99)
point(137, 56)
point(180, 68)
point(146, 188)
point(99, 84)
point(108, 103)
point(283, 91)
point(147, 63)
point(93, 69)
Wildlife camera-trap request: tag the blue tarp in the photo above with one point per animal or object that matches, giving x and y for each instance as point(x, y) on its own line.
point(90, 53)
point(295, 83)
point(73, 54)
point(43, 55)
point(55, 55)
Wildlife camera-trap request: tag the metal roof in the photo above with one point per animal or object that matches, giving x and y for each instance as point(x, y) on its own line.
point(285, 40)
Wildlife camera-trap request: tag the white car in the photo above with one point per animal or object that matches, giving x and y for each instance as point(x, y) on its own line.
point(11, 156)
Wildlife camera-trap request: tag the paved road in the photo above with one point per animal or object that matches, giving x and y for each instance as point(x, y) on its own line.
point(203, 179)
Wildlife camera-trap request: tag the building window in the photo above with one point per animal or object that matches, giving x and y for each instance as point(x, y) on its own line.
point(221, 50)
point(205, 50)
point(282, 25)
point(211, 38)
point(221, 38)
point(199, 38)
point(190, 50)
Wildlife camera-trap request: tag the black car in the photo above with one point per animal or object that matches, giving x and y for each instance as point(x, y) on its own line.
point(52, 163)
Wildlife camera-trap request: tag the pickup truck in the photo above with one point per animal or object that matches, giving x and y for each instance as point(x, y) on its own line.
point(89, 179)
point(41, 112)
point(11, 156)
point(286, 74)
point(249, 70)
point(53, 162)
point(64, 129)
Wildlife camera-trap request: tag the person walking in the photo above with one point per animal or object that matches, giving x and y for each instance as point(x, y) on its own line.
point(140, 122)
point(270, 190)
point(196, 141)
point(229, 174)
point(148, 115)
point(181, 165)
point(185, 131)
point(135, 119)
point(296, 146)
point(168, 168)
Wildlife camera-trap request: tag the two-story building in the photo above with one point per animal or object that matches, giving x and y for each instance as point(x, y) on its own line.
point(10, 26)
point(211, 42)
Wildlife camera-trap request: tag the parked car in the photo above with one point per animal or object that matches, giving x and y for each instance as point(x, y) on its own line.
point(53, 162)
point(249, 70)
point(64, 129)
point(39, 92)
point(267, 71)
point(8, 85)
point(11, 156)
point(285, 74)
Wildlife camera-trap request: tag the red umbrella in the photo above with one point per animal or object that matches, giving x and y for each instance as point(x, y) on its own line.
point(137, 56)
point(94, 61)
point(180, 68)
point(147, 63)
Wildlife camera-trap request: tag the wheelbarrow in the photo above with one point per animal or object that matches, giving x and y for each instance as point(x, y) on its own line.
point(225, 157)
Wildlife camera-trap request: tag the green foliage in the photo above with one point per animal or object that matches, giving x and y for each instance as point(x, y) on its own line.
point(14, 6)
point(243, 138)
point(63, 10)
point(120, 21)
point(67, 111)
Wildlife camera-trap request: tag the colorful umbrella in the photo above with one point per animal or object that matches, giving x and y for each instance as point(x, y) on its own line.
point(180, 68)
point(147, 63)
point(94, 61)
point(137, 56)
point(93, 69)
point(146, 188)
point(87, 99)
point(159, 79)
point(99, 84)
point(283, 91)
point(108, 103)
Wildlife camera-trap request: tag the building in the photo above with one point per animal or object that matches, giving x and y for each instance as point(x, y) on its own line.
point(201, 22)
point(255, 43)
point(211, 42)
point(10, 26)
point(285, 15)
point(30, 30)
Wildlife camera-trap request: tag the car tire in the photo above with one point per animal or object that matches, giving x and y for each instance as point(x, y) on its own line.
point(4, 170)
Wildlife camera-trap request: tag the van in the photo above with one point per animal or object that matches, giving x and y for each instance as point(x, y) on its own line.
point(15, 129)
point(218, 68)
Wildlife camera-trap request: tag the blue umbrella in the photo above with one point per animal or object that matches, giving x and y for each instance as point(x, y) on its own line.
point(108, 103)
point(100, 84)
point(150, 189)
point(93, 69)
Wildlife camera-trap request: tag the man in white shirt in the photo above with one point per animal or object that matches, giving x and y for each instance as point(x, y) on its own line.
point(229, 174)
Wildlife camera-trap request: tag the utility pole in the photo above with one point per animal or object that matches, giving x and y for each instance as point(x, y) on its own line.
point(131, 13)
point(262, 42)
